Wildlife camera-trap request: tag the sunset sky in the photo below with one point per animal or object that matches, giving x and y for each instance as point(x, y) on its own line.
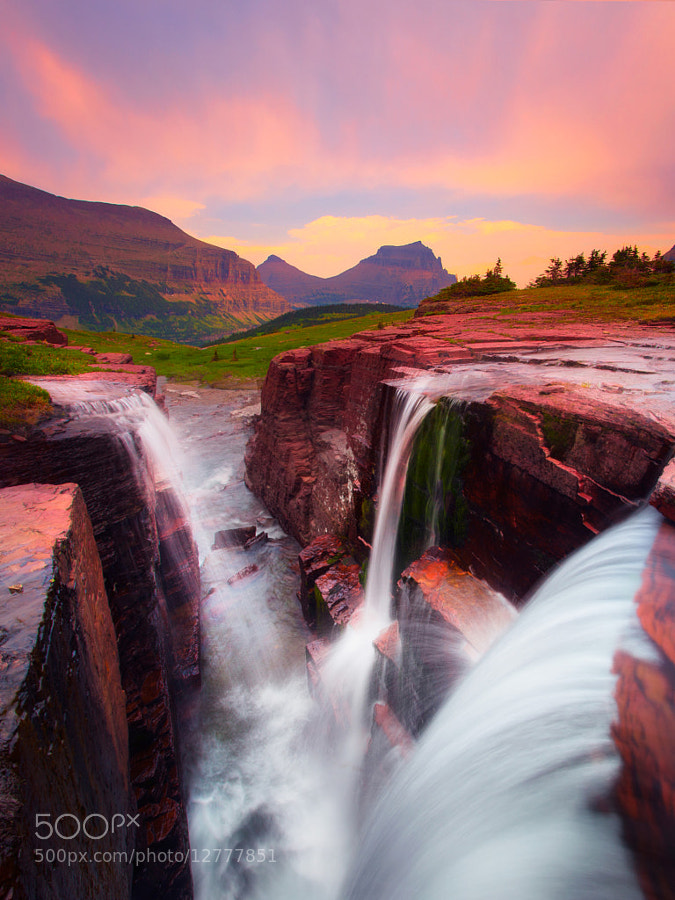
point(321, 129)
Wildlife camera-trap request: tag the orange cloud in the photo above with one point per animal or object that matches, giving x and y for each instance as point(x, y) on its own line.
point(331, 244)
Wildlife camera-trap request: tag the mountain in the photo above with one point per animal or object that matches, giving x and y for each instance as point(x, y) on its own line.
point(402, 275)
point(670, 255)
point(103, 265)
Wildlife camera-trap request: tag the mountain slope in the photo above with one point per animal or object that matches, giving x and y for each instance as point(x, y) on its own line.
point(670, 255)
point(402, 275)
point(97, 261)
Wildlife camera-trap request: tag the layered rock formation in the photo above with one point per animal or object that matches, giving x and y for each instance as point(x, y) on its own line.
point(64, 748)
point(150, 568)
point(577, 450)
point(550, 432)
point(644, 732)
point(42, 234)
point(401, 275)
point(33, 330)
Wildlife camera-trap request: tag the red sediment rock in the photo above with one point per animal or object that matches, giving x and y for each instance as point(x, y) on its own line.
point(339, 594)
point(644, 732)
point(63, 731)
point(243, 573)
point(394, 731)
point(88, 452)
point(663, 495)
point(233, 537)
point(315, 560)
point(34, 330)
point(459, 599)
point(115, 359)
point(388, 643)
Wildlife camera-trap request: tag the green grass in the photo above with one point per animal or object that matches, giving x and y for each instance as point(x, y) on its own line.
point(594, 302)
point(313, 315)
point(40, 359)
point(21, 404)
point(235, 362)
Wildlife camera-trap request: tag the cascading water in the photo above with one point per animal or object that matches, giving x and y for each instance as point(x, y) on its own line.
point(347, 671)
point(263, 799)
point(506, 793)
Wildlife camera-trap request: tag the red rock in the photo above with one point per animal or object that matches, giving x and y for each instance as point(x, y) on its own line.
point(115, 359)
point(656, 597)
point(644, 732)
point(339, 594)
point(61, 696)
point(459, 599)
point(315, 560)
point(388, 643)
point(397, 735)
point(246, 572)
point(663, 495)
point(233, 537)
point(124, 513)
point(33, 330)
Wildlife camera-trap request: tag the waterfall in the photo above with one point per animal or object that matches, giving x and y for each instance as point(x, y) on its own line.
point(347, 671)
point(506, 793)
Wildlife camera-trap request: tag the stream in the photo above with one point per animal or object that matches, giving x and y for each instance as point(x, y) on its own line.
point(262, 819)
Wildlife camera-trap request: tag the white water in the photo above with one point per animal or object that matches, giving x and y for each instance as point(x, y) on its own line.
point(260, 776)
point(498, 800)
point(347, 671)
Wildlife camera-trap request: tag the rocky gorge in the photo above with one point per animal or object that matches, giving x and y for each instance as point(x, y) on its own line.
point(509, 444)
point(97, 683)
point(553, 431)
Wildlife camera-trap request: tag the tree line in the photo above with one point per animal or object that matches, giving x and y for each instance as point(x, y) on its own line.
point(628, 267)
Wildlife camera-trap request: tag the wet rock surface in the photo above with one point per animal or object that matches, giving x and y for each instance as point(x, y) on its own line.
point(549, 466)
point(64, 748)
point(644, 732)
point(157, 637)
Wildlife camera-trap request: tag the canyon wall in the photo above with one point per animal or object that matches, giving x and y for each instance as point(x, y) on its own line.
point(64, 748)
point(526, 463)
point(544, 467)
point(150, 569)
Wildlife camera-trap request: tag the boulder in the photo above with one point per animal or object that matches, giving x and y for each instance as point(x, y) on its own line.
point(233, 537)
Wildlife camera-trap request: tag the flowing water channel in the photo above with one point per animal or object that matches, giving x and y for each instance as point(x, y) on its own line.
point(506, 793)
point(261, 778)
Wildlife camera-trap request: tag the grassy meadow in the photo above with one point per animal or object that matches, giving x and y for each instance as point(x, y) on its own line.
point(245, 359)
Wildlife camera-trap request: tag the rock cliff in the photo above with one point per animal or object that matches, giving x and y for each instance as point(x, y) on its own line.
point(64, 748)
point(42, 235)
point(569, 444)
point(150, 569)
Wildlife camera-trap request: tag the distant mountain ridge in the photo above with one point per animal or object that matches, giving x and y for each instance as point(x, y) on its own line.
point(403, 275)
point(670, 255)
point(102, 262)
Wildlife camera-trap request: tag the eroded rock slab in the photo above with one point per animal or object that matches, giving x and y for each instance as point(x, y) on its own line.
point(120, 499)
point(63, 732)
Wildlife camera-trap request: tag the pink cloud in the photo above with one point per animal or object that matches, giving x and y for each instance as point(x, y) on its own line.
point(241, 141)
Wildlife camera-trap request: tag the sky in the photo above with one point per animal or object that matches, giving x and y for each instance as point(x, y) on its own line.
point(320, 130)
